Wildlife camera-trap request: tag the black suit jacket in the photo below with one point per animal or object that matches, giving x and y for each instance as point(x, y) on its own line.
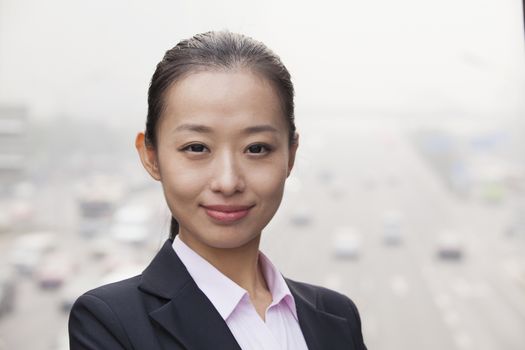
point(164, 309)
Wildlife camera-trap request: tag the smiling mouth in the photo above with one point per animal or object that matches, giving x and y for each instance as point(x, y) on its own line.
point(227, 214)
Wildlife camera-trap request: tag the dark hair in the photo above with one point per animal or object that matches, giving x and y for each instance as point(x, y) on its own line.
point(221, 50)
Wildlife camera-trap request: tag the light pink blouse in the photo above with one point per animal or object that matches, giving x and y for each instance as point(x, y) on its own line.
point(281, 329)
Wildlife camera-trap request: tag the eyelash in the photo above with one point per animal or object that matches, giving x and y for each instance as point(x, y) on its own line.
point(187, 148)
point(265, 146)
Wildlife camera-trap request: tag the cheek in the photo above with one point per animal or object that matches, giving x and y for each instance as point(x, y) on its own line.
point(181, 183)
point(268, 182)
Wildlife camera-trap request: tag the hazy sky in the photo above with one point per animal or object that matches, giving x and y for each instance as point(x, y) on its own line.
point(446, 58)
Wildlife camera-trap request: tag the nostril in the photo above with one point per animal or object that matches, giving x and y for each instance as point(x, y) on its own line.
point(228, 184)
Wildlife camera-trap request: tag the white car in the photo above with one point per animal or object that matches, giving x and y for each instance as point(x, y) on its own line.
point(392, 228)
point(54, 270)
point(28, 249)
point(449, 245)
point(346, 243)
point(131, 224)
point(101, 247)
point(301, 217)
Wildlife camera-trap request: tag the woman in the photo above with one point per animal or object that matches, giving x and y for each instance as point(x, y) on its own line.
point(220, 138)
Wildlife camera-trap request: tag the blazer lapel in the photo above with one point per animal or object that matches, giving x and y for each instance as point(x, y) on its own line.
point(321, 330)
point(188, 315)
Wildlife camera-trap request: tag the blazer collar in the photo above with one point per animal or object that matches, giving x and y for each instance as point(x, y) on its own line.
point(190, 317)
point(321, 330)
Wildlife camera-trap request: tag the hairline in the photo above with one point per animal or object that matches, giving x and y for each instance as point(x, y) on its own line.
point(240, 66)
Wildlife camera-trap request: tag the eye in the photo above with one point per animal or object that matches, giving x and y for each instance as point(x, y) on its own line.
point(195, 148)
point(259, 148)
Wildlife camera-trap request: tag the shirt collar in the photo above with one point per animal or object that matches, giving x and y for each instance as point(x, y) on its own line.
point(276, 284)
point(223, 293)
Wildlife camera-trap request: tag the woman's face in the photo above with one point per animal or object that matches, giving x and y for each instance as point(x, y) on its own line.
point(223, 156)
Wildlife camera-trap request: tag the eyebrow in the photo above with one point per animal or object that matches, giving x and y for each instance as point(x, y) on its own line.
point(206, 129)
point(194, 128)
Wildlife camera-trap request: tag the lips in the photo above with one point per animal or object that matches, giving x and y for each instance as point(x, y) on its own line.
point(227, 208)
point(227, 213)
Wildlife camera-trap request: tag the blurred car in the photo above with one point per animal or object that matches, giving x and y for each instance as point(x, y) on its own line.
point(7, 293)
point(96, 200)
point(392, 227)
point(28, 249)
point(24, 260)
point(22, 213)
point(131, 225)
point(89, 228)
point(449, 246)
point(54, 271)
point(101, 247)
point(346, 243)
point(301, 217)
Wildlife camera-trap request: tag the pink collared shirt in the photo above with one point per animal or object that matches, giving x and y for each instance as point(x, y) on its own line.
point(281, 329)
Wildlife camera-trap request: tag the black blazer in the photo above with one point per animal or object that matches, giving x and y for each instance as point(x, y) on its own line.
point(164, 309)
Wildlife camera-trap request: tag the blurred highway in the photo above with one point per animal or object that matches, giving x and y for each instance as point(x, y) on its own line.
point(348, 175)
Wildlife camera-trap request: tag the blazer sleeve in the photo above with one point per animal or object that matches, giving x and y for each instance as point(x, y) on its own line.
point(94, 325)
point(356, 325)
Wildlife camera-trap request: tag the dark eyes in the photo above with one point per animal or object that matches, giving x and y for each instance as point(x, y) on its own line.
point(195, 148)
point(257, 148)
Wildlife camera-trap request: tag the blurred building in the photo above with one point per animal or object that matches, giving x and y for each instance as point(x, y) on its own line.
point(13, 145)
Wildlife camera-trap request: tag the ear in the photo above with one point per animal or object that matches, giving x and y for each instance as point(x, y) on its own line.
point(293, 151)
point(148, 156)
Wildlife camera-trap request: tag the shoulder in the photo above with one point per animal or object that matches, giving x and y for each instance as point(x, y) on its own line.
point(117, 290)
point(321, 297)
point(329, 301)
point(100, 317)
point(111, 300)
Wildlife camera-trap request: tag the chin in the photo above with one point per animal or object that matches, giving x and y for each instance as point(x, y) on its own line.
point(228, 239)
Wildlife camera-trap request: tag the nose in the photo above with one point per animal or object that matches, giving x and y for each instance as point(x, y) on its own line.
point(227, 177)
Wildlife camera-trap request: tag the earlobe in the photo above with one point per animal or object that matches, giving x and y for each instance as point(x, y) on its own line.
point(148, 156)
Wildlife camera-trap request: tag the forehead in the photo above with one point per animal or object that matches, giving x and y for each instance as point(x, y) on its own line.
point(223, 98)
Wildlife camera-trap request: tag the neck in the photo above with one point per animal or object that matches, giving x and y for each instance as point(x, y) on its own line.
point(240, 264)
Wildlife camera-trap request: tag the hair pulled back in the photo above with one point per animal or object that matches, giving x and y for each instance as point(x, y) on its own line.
point(216, 50)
